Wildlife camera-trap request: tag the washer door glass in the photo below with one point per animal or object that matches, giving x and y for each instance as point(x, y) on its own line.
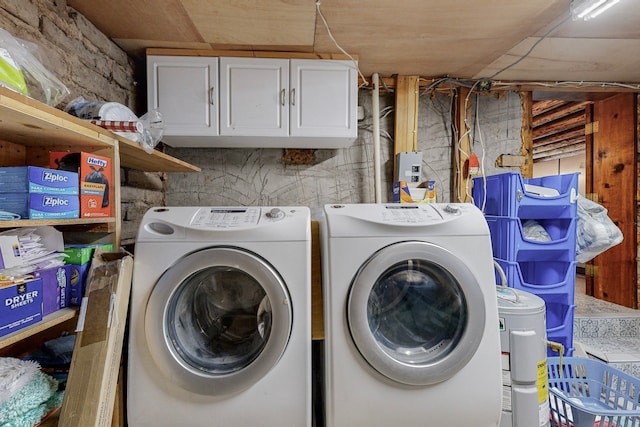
point(218, 320)
point(416, 313)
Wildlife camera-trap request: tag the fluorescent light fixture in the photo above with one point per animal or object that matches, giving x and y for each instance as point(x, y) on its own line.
point(589, 9)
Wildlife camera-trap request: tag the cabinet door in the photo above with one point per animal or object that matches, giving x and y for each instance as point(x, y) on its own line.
point(324, 98)
point(254, 97)
point(183, 89)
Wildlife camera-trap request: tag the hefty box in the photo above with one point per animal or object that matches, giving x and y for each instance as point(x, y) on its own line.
point(21, 306)
point(55, 288)
point(33, 179)
point(95, 176)
point(53, 206)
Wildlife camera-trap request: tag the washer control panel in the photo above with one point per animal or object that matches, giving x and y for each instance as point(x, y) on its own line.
point(225, 217)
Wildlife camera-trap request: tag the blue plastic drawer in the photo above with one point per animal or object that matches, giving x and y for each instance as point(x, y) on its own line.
point(539, 276)
point(508, 237)
point(506, 195)
point(560, 309)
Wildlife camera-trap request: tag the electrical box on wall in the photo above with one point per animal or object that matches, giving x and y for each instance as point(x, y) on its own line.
point(409, 167)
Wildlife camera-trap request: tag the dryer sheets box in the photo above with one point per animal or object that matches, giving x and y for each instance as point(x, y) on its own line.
point(21, 306)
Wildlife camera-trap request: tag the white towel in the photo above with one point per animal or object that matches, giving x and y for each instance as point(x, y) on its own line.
point(15, 374)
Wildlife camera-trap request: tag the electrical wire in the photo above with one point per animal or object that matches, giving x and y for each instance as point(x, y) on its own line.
point(565, 19)
point(365, 82)
point(567, 84)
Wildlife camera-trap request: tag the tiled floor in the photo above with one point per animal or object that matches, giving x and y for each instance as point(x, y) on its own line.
point(607, 331)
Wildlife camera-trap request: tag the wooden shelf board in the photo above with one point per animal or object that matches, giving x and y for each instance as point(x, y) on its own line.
point(53, 222)
point(24, 120)
point(132, 156)
point(47, 322)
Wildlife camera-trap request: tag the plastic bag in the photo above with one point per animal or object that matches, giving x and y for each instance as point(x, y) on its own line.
point(45, 86)
point(595, 231)
point(152, 123)
point(534, 231)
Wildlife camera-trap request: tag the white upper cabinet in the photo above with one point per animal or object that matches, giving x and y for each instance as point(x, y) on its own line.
point(263, 102)
point(323, 98)
point(254, 97)
point(184, 90)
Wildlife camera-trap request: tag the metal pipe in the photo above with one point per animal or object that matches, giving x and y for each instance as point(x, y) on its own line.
point(376, 137)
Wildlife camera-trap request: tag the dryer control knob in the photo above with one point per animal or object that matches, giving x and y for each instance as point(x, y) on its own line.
point(452, 209)
point(275, 213)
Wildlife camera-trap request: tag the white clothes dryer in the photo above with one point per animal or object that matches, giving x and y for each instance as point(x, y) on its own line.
point(411, 318)
point(220, 331)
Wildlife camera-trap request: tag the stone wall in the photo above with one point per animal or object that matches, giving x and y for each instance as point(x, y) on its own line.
point(92, 66)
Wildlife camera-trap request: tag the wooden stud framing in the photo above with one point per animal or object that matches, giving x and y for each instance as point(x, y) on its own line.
point(406, 115)
point(462, 147)
point(527, 134)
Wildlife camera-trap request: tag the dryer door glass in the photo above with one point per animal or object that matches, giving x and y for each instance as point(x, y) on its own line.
point(220, 319)
point(416, 313)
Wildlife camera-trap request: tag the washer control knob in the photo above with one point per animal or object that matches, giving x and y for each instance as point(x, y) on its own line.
point(452, 209)
point(275, 213)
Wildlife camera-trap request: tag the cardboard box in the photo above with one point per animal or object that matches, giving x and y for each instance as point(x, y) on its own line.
point(424, 193)
point(93, 376)
point(9, 252)
point(33, 179)
point(82, 254)
point(55, 288)
point(77, 281)
point(21, 306)
point(79, 260)
point(95, 175)
point(53, 206)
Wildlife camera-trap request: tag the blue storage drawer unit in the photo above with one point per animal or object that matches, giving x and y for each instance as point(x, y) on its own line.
point(508, 237)
point(539, 277)
point(508, 194)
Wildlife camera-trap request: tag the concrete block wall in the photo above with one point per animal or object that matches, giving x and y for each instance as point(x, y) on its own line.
point(92, 66)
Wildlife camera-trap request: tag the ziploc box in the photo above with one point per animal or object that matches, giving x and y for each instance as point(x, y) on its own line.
point(55, 288)
point(95, 176)
point(79, 260)
point(21, 305)
point(53, 206)
point(34, 179)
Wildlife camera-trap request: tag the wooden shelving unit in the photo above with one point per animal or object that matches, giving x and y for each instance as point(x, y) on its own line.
point(46, 323)
point(29, 130)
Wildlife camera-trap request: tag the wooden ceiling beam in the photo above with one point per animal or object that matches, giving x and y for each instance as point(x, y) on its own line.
point(559, 112)
point(563, 135)
point(571, 121)
point(559, 145)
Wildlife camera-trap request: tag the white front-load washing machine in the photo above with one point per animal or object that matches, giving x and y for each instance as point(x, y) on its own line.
point(411, 319)
point(220, 330)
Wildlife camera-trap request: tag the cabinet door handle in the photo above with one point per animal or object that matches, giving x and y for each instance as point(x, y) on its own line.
point(293, 96)
point(211, 95)
point(283, 93)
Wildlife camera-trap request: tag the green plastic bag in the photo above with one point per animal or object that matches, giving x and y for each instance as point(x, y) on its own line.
point(10, 74)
